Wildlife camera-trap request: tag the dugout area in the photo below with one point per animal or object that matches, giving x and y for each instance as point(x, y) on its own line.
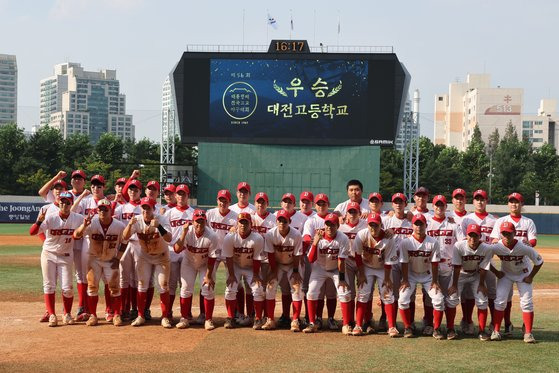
point(277, 169)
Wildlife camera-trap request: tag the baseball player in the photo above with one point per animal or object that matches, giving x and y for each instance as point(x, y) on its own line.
point(170, 199)
point(419, 257)
point(119, 186)
point(243, 250)
point(470, 261)
point(312, 225)
point(327, 257)
point(402, 228)
point(152, 191)
point(178, 216)
point(421, 197)
point(486, 221)
point(355, 194)
point(525, 231)
point(77, 182)
point(352, 224)
point(105, 251)
point(154, 234)
point(447, 234)
point(198, 248)
point(374, 256)
point(56, 256)
point(306, 203)
point(516, 267)
point(243, 195)
point(284, 249)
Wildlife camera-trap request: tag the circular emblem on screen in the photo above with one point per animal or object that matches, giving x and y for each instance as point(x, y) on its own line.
point(240, 100)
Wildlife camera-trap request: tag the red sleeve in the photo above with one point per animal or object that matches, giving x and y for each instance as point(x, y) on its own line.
point(358, 260)
point(42, 237)
point(313, 254)
point(113, 206)
point(272, 260)
point(255, 266)
point(34, 229)
point(533, 242)
point(306, 243)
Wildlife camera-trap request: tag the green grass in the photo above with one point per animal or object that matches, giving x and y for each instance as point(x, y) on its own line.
point(15, 229)
point(548, 240)
point(20, 250)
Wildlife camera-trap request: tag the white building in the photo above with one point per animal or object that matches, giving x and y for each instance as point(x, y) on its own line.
point(78, 101)
point(8, 89)
point(542, 127)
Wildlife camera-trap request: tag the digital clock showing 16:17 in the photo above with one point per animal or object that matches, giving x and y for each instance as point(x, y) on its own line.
point(289, 46)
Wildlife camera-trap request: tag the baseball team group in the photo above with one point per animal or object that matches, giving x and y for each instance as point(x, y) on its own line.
point(316, 257)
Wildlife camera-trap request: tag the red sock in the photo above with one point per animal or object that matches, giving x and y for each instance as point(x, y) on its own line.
point(395, 311)
point(92, 300)
point(285, 304)
point(412, 312)
point(149, 297)
point(116, 302)
point(497, 319)
point(202, 303)
point(171, 301)
point(125, 300)
point(331, 307)
point(49, 302)
point(482, 319)
point(507, 313)
point(241, 300)
point(450, 316)
point(382, 310)
point(352, 311)
point(368, 312)
point(345, 312)
point(270, 308)
point(360, 311)
point(297, 306)
point(186, 306)
point(231, 306)
point(470, 304)
point(141, 305)
point(312, 305)
point(406, 317)
point(491, 304)
point(319, 308)
point(438, 318)
point(79, 286)
point(390, 308)
point(67, 301)
point(164, 300)
point(209, 308)
point(134, 298)
point(82, 291)
point(258, 308)
point(108, 305)
point(250, 304)
point(528, 318)
point(428, 317)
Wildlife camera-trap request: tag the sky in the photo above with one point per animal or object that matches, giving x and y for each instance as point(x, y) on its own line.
point(439, 42)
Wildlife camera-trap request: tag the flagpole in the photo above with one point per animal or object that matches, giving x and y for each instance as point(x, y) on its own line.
point(267, 16)
point(291, 25)
point(338, 28)
point(314, 28)
point(243, 29)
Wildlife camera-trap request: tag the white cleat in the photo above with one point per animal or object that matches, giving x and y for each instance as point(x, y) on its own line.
point(138, 321)
point(209, 325)
point(68, 320)
point(92, 321)
point(529, 338)
point(53, 321)
point(183, 324)
point(166, 323)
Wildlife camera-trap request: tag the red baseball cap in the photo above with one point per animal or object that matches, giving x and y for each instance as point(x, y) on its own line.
point(354, 206)
point(321, 197)
point(289, 196)
point(224, 193)
point(60, 182)
point(135, 183)
point(419, 217)
point(459, 192)
point(473, 228)
point(244, 216)
point(373, 217)
point(480, 192)
point(421, 190)
point(243, 184)
point(507, 226)
point(199, 214)
point(283, 214)
point(121, 180)
point(104, 202)
point(186, 189)
point(306, 196)
point(98, 178)
point(439, 198)
point(170, 188)
point(147, 201)
point(332, 218)
point(154, 184)
point(516, 196)
point(78, 173)
point(261, 195)
point(401, 196)
point(375, 195)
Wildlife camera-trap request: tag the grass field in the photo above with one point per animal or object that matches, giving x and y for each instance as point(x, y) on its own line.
point(28, 345)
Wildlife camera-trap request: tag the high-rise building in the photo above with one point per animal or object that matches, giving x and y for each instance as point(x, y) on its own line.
point(78, 101)
point(473, 103)
point(407, 128)
point(542, 127)
point(8, 89)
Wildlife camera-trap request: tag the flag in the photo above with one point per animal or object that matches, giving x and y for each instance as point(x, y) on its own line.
point(292, 24)
point(272, 22)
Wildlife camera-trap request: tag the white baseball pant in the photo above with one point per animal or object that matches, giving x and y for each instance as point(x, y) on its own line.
point(188, 276)
point(365, 291)
point(56, 266)
point(470, 282)
point(97, 270)
point(319, 276)
point(284, 274)
point(505, 287)
point(246, 274)
point(146, 265)
point(436, 297)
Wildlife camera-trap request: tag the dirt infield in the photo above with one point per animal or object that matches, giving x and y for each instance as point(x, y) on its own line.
point(7, 240)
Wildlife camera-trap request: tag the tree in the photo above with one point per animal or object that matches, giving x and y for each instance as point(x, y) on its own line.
point(12, 147)
point(142, 151)
point(542, 175)
point(442, 173)
point(76, 150)
point(391, 172)
point(185, 154)
point(109, 149)
point(45, 147)
point(474, 165)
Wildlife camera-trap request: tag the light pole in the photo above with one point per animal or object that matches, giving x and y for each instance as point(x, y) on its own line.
point(490, 174)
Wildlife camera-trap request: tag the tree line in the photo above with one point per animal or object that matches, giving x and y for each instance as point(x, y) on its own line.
point(29, 162)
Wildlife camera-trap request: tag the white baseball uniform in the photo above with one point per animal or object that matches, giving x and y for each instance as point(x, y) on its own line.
point(342, 207)
point(298, 220)
point(221, 224)
point(525, 228)
point(350, 231)
point(177, 216)
point(128, 276)
point(402, 229)
point(238, 209)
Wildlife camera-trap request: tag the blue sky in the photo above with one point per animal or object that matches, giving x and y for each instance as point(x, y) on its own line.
point(439, 41)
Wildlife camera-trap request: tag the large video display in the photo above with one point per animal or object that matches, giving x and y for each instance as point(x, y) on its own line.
point(314, 99)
